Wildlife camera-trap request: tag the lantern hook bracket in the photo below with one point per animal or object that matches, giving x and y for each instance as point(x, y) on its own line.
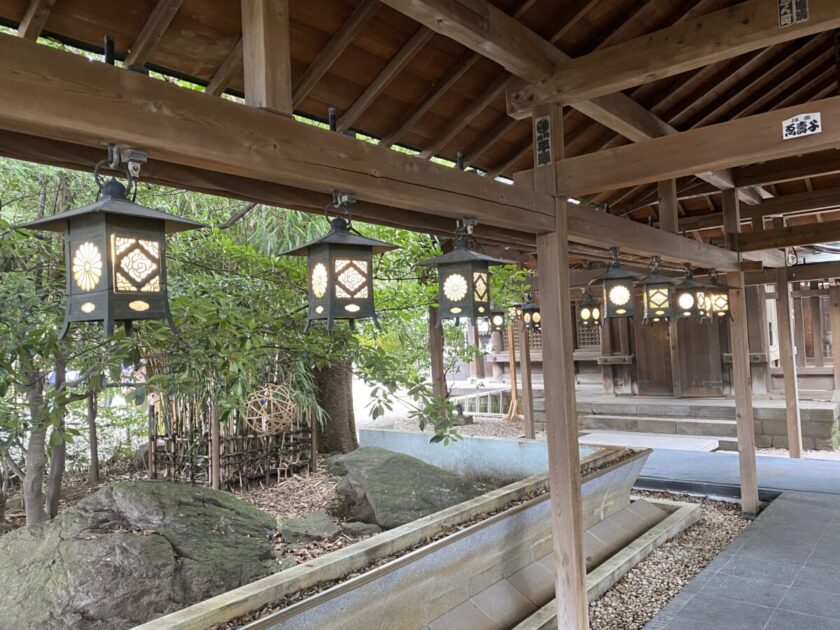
point(121, 158)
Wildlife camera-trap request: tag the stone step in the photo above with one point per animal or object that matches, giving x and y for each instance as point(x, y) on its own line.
point(655, 424)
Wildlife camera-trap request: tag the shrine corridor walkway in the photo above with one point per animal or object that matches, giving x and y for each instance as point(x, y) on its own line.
point(781, 573)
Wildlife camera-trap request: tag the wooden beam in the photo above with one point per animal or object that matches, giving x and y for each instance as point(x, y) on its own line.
point(789, 168)
point(834, 313)
point(231, 66)
point(724, 145)
point(486, 29)
point(152, 32)
point(790, 236)
point(332, 51)
point(420, 38)
point(65, 155)
point(731, 218)
point(35, 18)
point(788, 364)
point(689, 44)
point(527, 405)
point(266, 55)
point(560, 404)
point(186, 127)
point(183, 127)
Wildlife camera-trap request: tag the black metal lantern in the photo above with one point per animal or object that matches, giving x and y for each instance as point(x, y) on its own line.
point(497, 319)
point(340, 270)
point(657, 294)
point(588, 310)
point(115, 253)
point(463, 279)
point(690, 297)
point(531, 316)
point(618, 289)
point(717, 295)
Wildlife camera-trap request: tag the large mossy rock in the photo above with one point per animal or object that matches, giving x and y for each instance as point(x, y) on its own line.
point(129, 553)
point(391, 489)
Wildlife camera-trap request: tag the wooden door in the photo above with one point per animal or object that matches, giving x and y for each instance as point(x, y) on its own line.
point(701, 359)
point(653, 356)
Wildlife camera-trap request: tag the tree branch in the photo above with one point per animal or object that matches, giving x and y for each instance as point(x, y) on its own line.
point(237, 216)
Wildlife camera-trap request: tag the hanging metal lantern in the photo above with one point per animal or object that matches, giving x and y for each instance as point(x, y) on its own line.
point(340, 270)
point(463, 278)
point(588, 310)
point(497, 319)
point(618, 286)
point(691, 298)
point(115, 251)
point(718, 297)
point(531, 316)
point(657, 295)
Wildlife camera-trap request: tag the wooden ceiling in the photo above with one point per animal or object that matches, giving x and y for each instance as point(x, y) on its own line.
point(391, 78)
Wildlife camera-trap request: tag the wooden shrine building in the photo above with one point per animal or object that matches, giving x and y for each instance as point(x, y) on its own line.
point(665, 128)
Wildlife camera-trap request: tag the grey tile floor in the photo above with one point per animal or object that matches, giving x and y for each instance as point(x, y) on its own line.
point(781, 573)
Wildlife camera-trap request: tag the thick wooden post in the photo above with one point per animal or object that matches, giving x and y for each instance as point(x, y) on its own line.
point(478, 362)
point(436, 352)
point(786, 359)
point(669, 221)
point(834, 301)
point(266, 56)
point(525, 370)
point(559, 377)
point(741, 381)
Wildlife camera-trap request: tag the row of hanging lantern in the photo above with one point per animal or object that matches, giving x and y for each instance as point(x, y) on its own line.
point(663, 297)
point(116, 262)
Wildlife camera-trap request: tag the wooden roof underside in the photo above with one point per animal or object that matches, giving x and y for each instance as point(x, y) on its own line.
point(391, 78)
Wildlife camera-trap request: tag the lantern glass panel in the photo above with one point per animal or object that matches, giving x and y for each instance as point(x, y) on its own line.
point(618, 297)
point(87, 266)
point(351, 279)
point(720, 303)
point(136, 264)
point(455, 287)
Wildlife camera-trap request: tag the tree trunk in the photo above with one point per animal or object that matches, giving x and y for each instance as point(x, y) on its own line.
point(93, 439)
point(334, 387)
point(59, 450)
point(33, 481)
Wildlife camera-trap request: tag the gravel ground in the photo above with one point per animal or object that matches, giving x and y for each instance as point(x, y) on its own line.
point(650, 585)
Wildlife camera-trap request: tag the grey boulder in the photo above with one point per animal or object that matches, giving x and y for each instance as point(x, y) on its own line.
point(391, 489)
point(129, 553)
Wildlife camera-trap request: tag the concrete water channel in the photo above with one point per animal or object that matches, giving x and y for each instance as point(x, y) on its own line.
point(493, 573)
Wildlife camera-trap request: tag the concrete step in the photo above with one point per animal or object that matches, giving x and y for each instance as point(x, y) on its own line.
point(656, 424)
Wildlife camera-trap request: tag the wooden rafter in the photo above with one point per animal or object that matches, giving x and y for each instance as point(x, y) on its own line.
point(690, 44)
point(332, 51)
point(491, 93)
point(152, 32)
point(420, 38)
point(231, 66)
point(790, 236)
point(489, 139)
point(787, 169)
point(35, 18)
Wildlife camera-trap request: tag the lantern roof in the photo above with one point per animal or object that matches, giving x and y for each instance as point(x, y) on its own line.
point(656, 276)
point(340, 234)
point(461, 253)
point(113, 201)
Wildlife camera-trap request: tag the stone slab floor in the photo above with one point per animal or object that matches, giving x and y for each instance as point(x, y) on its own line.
point(781, 573)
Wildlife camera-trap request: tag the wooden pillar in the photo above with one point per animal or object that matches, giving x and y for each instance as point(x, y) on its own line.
point(527, 405)
point(817, 326)
point(669, 221)
point(741, 381)
point(834, 301)
point(799, 331)
point(266, 56)
point(785, 324)
point(436, 352)
point(478, 362)
point(215, 448)
point(559, 378)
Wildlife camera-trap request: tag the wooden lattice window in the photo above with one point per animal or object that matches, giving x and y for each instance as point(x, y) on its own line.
point(588, 336)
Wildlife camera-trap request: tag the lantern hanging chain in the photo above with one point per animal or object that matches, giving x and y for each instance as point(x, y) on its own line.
point(123, 159)
point(341, 205)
